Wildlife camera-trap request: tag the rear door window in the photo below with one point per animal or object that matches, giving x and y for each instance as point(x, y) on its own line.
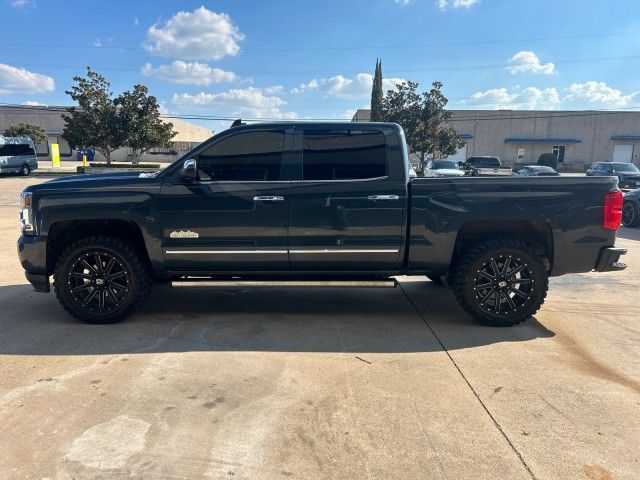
point(344, 154)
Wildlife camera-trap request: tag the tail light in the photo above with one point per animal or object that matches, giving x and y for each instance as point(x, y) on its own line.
point(612, 210)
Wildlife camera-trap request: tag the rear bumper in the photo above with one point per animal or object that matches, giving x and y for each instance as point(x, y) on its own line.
point(32, 251)
point(608, 260)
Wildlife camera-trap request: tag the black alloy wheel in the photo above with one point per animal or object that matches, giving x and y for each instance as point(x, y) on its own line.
point(630, 216)
point(101, 279)
point(503, 284)
point(500, 282)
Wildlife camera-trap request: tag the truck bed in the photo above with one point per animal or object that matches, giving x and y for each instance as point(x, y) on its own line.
point(566, 212)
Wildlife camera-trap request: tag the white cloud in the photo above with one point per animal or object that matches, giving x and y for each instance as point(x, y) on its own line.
point(444, 4)
point(248, 102)
point(20, 80)
point(527, 61)
point(529, 98)
point(22, 4)
point(33, 103)
point(198, 35)
point(136, 22)
point(188, 73)
point(599, 93)
point(402, 2)
point(97, 43)
point(343, 87)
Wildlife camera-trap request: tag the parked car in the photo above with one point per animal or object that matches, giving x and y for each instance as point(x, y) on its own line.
point(627, 173)
point(443, 168)
point(485, 166)
point(17, 155)
point(536, 171)
point(312, 204)
point(631, 209)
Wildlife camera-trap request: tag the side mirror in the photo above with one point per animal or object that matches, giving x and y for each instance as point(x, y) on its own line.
point(189, 170)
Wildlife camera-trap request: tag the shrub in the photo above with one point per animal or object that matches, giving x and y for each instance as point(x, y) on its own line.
point(548, 160)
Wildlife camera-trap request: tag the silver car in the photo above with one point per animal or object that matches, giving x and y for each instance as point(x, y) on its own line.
point(17, 155)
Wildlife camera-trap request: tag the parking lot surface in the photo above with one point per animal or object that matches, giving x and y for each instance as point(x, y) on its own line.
point(311, 384)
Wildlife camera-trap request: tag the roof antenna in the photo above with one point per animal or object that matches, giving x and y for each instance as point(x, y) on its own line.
point(237, 123)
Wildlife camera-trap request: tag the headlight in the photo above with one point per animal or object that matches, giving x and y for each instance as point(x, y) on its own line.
point(26, 216)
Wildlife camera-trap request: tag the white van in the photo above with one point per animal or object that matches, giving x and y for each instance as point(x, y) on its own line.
point(17, 155)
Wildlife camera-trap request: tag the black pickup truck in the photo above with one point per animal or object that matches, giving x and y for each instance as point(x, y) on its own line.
point(313, 204)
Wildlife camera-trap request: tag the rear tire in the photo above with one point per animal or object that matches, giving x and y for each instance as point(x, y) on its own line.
point(101, 279)
point(25, 170)
point(630, 215)
point(501, 282)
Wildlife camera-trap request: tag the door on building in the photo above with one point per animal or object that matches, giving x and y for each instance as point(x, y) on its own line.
point(558, 151)
point(622, 153)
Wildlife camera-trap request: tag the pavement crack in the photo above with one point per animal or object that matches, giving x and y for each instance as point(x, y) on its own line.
point(466, 380)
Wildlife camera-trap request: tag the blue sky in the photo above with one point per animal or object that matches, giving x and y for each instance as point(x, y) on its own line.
point(314, 59)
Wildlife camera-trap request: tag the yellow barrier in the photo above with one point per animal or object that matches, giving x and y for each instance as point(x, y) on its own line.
point(84, 161)
point(55, 155)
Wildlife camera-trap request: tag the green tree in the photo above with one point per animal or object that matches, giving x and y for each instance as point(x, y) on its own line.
point(34, 132)
point(140, 120)
point(376, 94)
point(95, 121)
point(443, 140)
point(548, 160)
point(424, 119)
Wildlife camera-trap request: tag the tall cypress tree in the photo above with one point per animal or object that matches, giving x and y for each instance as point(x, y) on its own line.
point(376, 94)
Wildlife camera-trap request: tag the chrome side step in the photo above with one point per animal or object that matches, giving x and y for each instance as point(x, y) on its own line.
point(208, 282)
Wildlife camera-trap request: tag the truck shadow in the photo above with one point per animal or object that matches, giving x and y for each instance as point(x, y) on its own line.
point(257, 320)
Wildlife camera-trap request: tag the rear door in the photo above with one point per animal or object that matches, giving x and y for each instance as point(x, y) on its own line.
point(234, 217)
point(347, 207)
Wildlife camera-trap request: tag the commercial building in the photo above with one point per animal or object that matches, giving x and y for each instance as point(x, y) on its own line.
point(578, 138)
point(50, 119)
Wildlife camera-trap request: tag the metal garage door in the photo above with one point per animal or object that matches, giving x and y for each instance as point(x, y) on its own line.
point(622, 153)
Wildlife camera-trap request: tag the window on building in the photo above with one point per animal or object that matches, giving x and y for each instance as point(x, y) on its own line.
point(248, 156)
point(42, 149)
point(558, 151)
point(343, 155)
point(520, 154)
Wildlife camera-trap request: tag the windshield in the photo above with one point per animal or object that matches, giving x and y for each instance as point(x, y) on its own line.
point(626, 167)
point(445, 164)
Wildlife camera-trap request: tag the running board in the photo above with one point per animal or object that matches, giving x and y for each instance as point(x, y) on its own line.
point(208, 282)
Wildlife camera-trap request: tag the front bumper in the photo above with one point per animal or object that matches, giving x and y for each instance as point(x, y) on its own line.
point(32, 251)
point(608, 260)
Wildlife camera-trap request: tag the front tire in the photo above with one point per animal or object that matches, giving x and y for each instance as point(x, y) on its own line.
point(501, 282)
point(101, 279)
point(25, 170)
point(630, 216)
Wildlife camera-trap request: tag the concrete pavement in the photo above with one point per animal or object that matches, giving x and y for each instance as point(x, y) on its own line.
point(249, 383)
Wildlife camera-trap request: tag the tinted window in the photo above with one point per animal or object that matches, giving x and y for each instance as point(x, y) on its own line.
point(248, 156)
point(445, 165)
point(343, 155)
point(484, 161)
point(625, 167)
point(16, 149)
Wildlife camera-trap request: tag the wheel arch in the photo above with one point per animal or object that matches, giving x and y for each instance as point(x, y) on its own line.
point(537, 234)
point(62, 233)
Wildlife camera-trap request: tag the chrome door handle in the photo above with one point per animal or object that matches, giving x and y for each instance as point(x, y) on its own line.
point(268, 198)
point(383, 197)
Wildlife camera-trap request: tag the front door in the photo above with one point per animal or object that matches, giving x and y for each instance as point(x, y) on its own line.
point(347, 207)
point(234, 216)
